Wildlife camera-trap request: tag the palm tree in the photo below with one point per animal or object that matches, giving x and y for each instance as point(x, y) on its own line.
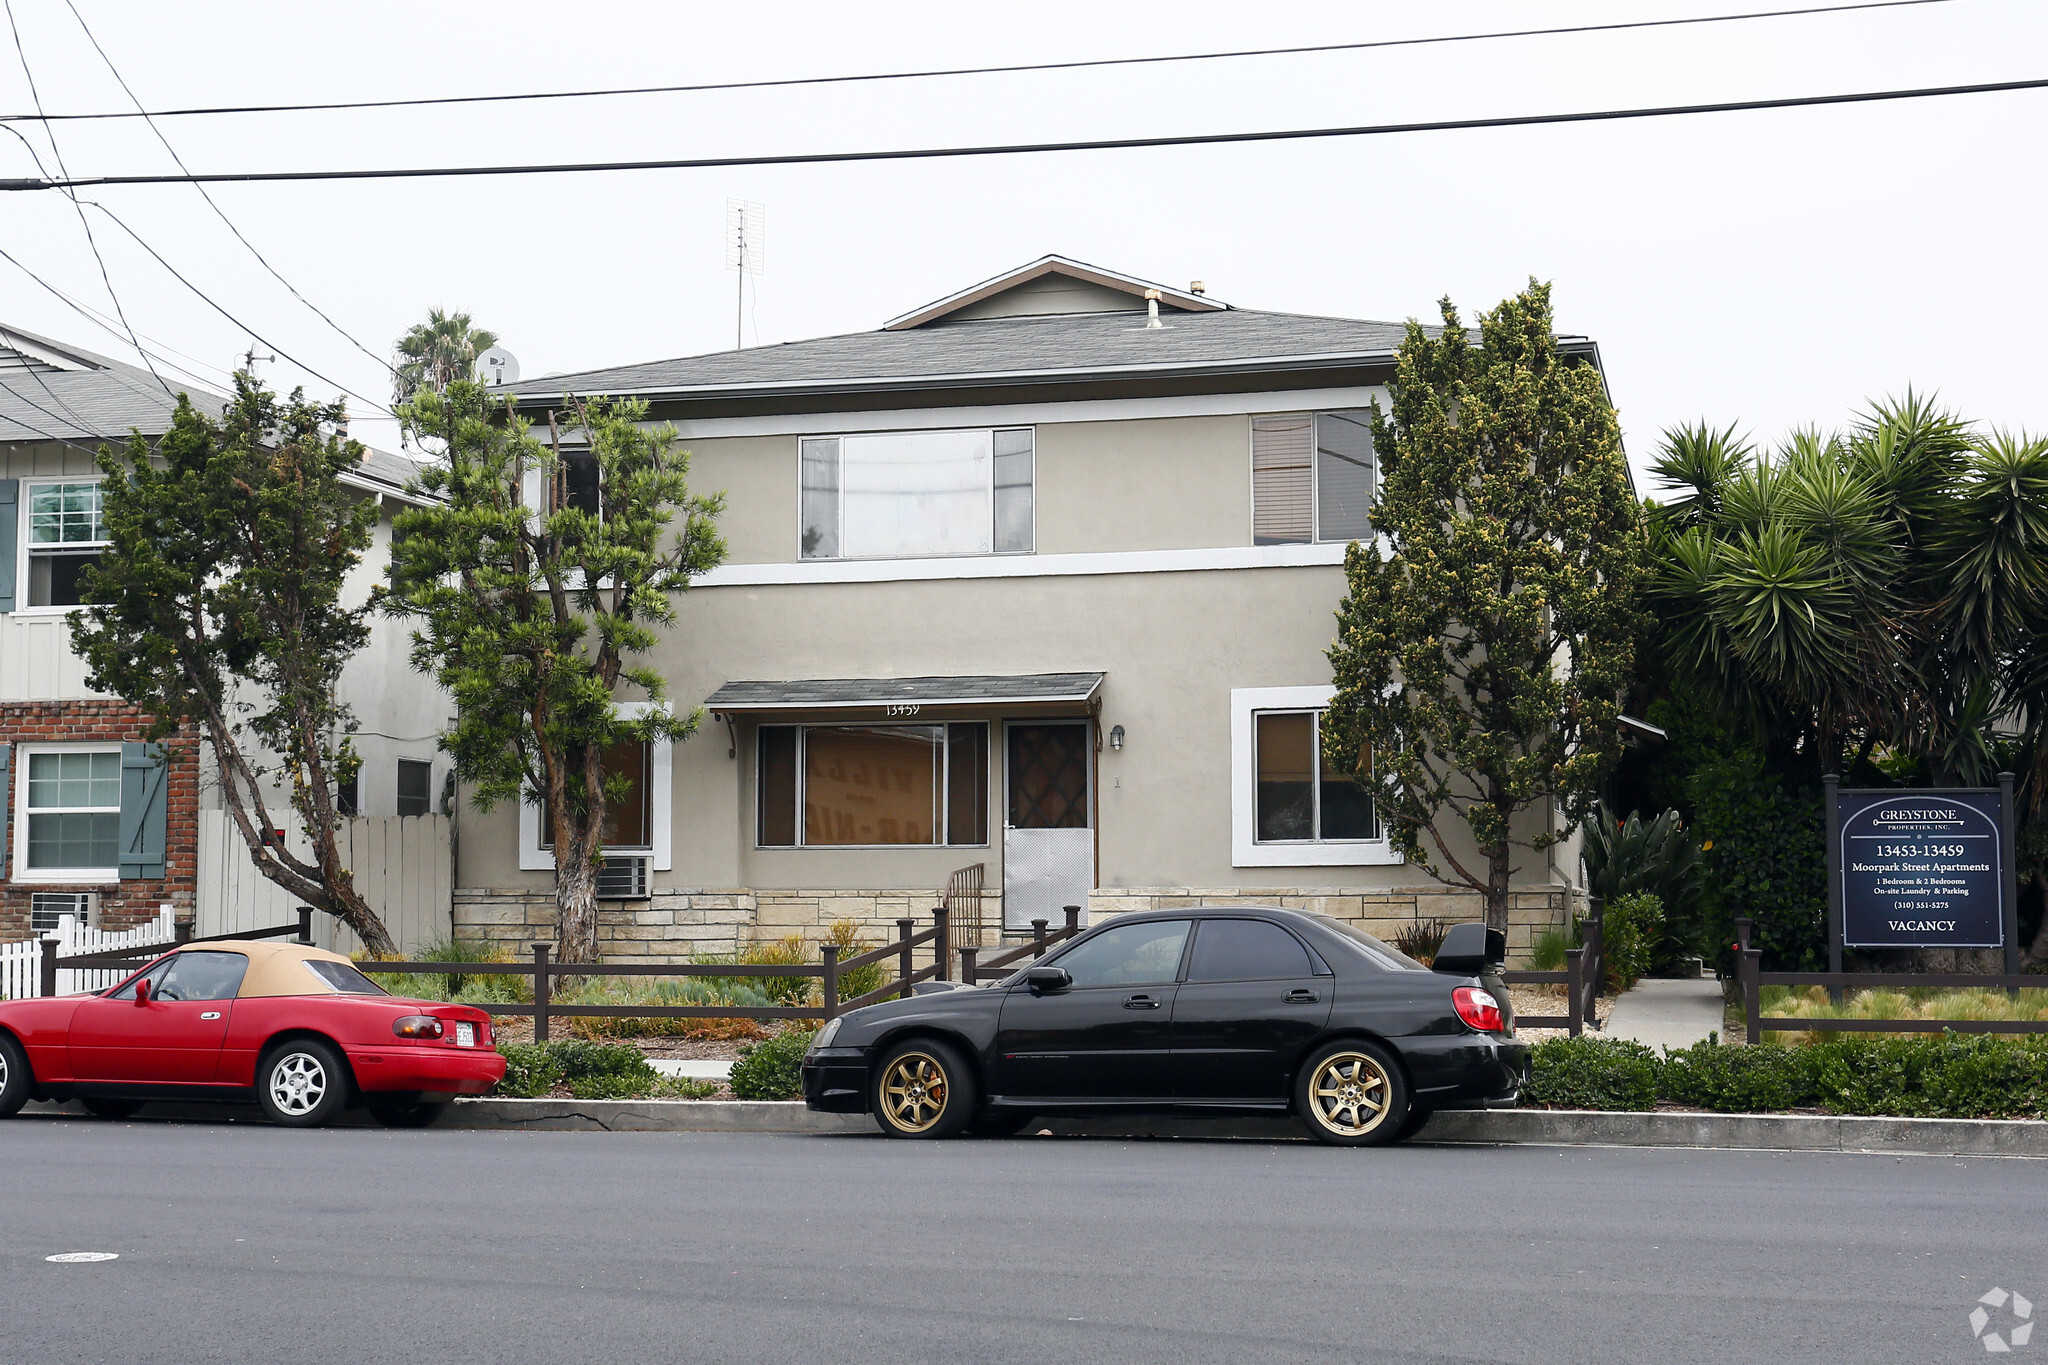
point(439, 351)
point(1886, 585)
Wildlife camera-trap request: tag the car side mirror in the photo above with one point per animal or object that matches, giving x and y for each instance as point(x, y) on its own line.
point(1471, 950)
point(1044, 979)
point(142, 992)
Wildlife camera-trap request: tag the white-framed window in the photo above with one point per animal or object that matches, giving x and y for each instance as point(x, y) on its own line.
point(1288, 808)
point(415, 794)
point(916, 494)
point(67, 816)
point(871, 786)
point(63, 533)
point(650, 806)
point(1313, 475)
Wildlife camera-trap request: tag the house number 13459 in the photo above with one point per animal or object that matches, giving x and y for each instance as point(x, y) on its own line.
point(907, 709)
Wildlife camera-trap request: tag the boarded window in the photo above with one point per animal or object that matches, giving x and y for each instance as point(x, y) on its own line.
point(868, 785)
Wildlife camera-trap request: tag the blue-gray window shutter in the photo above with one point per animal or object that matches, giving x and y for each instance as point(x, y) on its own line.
point(145, 807)
point(6, 804)
point(10, 522)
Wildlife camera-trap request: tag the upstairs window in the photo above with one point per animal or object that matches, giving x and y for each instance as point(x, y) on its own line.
point(65, 536)
point(917, 493)
point(1312, 477)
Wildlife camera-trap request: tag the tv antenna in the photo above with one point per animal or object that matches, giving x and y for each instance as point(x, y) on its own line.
point(249, 359)
point(746, 251)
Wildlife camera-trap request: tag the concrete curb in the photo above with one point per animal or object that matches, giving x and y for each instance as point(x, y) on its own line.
point(1491, 1127)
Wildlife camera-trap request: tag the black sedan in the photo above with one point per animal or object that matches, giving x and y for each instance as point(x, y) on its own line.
point(1212, 1010)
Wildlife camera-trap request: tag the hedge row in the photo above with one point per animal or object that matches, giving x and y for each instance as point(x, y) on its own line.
point(1950, 1075)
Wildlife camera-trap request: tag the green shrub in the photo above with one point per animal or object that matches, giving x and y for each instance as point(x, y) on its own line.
point(1591, 1073)
point(531, 1070)
point(1631, 931)
point(772, 1070)
point(593, 1071)
point(1661, 857)
point(1736, 1080)
point(739, 992)
point(845, 935)
point(1950, 1075)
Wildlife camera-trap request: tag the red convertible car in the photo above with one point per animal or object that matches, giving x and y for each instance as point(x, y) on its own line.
point(297, 1029)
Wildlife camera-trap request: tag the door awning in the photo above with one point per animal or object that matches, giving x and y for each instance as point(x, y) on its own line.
point(1016, 689)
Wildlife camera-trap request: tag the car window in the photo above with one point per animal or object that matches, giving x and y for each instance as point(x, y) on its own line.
point(154, 976)
point(1246, 950)
point(1128, 955)
point(1380, 953)
point(339, 976)
point(202, 976)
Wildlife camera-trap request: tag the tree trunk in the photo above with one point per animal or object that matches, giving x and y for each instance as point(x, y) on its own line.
point(1499, 867)
point(576, 910)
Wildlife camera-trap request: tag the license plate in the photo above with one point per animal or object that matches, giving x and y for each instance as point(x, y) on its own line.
point(465, 1035)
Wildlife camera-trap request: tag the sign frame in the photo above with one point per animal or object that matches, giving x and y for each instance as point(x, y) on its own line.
point(2008, 882)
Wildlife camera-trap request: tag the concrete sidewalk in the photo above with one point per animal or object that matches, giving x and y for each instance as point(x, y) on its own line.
point(1666, 1013)
point(710, 1070)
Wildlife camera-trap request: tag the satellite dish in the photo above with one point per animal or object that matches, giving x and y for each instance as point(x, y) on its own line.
point(498, 366)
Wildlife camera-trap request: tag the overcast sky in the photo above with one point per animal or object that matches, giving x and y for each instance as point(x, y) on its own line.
point(1773, 269)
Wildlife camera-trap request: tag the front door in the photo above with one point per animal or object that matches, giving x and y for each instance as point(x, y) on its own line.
point(174, 1037)
point(1048, 835)
point(1251, 1004)
point(1104, 1037)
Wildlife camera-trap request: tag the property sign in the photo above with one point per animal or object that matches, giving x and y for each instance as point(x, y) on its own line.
point(1921, 869)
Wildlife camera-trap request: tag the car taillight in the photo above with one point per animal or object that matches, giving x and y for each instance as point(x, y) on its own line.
point(417, 1026)
point(1477, 1008)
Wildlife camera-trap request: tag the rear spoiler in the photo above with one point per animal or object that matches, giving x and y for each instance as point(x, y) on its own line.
point(1471, 950)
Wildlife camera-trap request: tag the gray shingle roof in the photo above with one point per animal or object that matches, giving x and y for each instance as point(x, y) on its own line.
point(1066, 344)
point(91, 398)
point(869, 692)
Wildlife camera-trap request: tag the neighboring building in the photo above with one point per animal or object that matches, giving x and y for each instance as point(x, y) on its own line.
point(1025, 579)
point(90, 817)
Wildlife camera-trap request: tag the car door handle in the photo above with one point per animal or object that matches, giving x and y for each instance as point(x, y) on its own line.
point(211, 1014)
point(1299, 997)
point(1141, 1002)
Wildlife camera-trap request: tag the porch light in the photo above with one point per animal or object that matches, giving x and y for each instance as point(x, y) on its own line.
point(1116, 737)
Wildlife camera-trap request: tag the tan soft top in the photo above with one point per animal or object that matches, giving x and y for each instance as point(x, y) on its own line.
point(275, 968)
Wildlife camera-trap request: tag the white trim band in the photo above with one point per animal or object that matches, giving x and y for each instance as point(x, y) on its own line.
point(1022, 566)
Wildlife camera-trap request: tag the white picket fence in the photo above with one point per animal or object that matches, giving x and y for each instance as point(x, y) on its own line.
point(21, 963)
point(403, 865)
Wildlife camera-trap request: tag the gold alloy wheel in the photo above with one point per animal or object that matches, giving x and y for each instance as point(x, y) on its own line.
point(1349, 1093)
point(914, 1091)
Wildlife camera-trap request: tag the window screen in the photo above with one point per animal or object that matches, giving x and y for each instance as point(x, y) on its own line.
point(819, 461)
point(967, 783)
point(1013, 491)
point(1246, 950)
point(1300, 797)
point(1312, 477)
point(415, 787)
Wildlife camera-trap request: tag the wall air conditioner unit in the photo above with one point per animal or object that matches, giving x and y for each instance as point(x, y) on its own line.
point(45, 908)
point(622, 878)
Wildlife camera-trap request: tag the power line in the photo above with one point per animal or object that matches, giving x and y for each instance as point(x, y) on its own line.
point(971, 70)
point(72, 195)
point(30, 427)
point(98, 320)
point(208, 300)
point(1019, 148)
point(218, 211)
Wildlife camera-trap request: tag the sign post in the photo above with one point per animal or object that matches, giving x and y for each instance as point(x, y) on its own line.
point(1921, 869)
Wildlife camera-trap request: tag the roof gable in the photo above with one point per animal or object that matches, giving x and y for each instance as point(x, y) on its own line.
point(1052, 286)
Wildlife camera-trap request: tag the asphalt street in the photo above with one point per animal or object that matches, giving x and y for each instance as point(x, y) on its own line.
point(249, 1243)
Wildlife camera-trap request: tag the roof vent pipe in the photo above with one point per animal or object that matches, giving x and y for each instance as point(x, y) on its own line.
point(1152, 308)
point(1197, 287)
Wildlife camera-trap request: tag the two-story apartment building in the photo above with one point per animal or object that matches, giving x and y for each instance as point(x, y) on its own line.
point(1038, 577)
point(92, 820)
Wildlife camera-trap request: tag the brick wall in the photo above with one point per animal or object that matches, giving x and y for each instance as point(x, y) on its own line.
point(123, 904)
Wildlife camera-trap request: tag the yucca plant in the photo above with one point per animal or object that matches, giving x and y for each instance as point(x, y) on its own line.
point(1658, 857)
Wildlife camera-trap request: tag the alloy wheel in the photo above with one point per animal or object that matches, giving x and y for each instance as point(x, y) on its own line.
point(914, 1092)
point(297, 1083)
point(1349, 1093)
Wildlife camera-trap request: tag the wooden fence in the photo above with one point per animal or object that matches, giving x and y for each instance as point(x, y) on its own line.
point(22, 970)
point(1583, 977)
point(1751, 979)
point(403, 865)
